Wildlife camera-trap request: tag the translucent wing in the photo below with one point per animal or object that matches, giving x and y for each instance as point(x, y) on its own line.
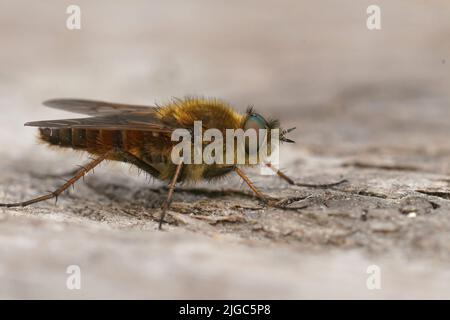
point(94, 108)
point(144, 121)
point(113, 116)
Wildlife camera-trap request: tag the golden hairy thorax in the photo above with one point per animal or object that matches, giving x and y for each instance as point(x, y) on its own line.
point(153, 149)
point(212, 112)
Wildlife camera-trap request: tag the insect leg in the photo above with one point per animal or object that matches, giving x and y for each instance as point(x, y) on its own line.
point(79, 174)
point(273, 202)
point(258, 193)
point(292, 182)
point(169, 195)
point(139, 163)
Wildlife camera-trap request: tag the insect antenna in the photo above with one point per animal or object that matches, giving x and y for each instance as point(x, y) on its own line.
point(283, 135)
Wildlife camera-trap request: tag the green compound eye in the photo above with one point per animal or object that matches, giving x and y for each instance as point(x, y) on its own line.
point(255, 121)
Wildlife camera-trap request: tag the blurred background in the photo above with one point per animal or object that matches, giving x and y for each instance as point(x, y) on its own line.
point(359, 98)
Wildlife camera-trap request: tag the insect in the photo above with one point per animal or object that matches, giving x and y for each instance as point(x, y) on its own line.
point(141, 136)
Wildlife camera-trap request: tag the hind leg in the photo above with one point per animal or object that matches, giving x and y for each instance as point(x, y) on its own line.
point(78, 175)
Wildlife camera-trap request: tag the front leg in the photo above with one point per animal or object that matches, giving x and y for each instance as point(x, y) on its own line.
point(271, 201)
point(309, 185)
point(259, 194)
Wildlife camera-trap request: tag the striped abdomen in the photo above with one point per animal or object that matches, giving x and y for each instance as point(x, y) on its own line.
point(96, 141)
point(71, 138)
